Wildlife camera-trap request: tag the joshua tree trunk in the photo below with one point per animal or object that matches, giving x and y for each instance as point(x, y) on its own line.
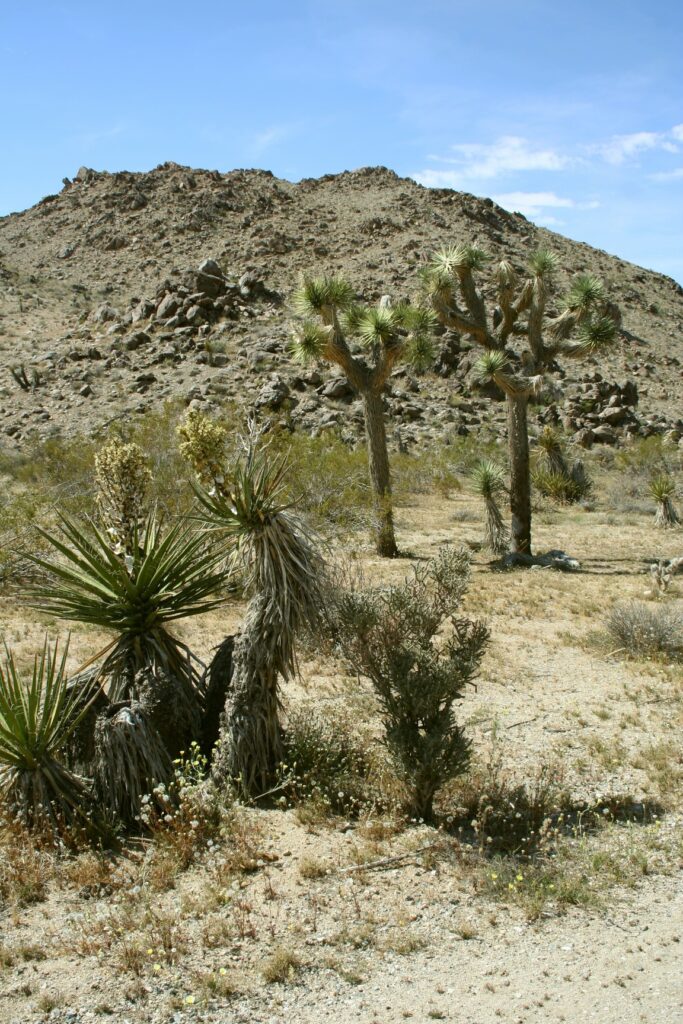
point(520, 477)
point(380, 478)
point(251, 738)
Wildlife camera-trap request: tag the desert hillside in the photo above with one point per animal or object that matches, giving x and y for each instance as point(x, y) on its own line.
point(104, 313)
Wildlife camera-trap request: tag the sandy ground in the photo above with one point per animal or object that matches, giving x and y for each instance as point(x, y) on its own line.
point(420, 938)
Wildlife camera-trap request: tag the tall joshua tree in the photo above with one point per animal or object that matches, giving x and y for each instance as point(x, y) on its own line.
point(586, 323)
point(366, 343)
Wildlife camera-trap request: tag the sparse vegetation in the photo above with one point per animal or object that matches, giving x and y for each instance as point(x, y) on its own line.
point(646, 630)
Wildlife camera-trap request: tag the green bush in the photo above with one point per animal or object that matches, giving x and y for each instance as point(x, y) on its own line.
point(394, 637)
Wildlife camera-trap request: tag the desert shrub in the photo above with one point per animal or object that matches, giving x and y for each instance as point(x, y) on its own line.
point(645, 630)
point(394, 637)
point(327, 763)
point(503, 815)
point(185, 817)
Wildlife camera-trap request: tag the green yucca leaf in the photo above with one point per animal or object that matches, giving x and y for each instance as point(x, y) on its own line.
point(543, 263)
point(662, 487)
point(169, 576)
point(419, 352)
point(309, 342)
point(37, 716)
point(506, 277)
point(596, 333)
point(489, 364)
point(586, 291)
point(489, 479)
point(318, 294)
point(437, 283)
point(550, 441)
point(418, 319)
point(459, 257)
point(378, 326)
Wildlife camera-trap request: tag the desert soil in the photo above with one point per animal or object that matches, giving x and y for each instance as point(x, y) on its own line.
point(423, 937)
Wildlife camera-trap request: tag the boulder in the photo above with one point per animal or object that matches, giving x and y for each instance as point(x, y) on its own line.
point(273, 394)
point(604, 434)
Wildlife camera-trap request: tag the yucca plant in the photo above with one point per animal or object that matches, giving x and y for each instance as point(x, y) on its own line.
point(37, 716)
point(586, 324)
point(268, 541)
point(168, 575)
point(553, 476)
point(489, 481)
point(365, 342)
point(663, 490)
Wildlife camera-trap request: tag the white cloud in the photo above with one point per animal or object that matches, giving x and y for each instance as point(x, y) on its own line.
point(674, 175)
point(620, 148)
point(531, 204)
point(473, 160)
point(271, 137)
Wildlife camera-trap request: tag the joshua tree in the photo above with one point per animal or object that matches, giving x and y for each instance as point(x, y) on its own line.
point(663, 490)
point(490, 483)
point(585, 324)
point(283, 573)
point(366, 343)
point(390, 636)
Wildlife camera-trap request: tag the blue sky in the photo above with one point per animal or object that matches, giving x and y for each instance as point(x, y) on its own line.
point(570, 112)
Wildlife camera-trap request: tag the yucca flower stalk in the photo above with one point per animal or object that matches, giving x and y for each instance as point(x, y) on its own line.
point(586, 324)
point(489, 482)
point(663, 490)
point(271, 545)
point(38, 714)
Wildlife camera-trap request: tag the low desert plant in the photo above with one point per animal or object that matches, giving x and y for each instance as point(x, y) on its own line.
point(663, 490)
point(394, 637)
point(646, 630)
point(326, 763)
point(553, 476)
point(37, 717)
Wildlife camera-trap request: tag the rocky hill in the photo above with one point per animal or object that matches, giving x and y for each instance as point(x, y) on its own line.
point(126, 289)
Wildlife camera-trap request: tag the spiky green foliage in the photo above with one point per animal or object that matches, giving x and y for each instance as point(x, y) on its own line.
point(309, 342)
point(390, 636)
point(663, 489)
point(586, 292)
point(37, 716)
point(595, 333)
point(543, 263)
point(457, 258)
point(269, 540)
point(489, 482)
point(550, 444)
point(325, 296)
point(168, 575)
point(494, 366)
